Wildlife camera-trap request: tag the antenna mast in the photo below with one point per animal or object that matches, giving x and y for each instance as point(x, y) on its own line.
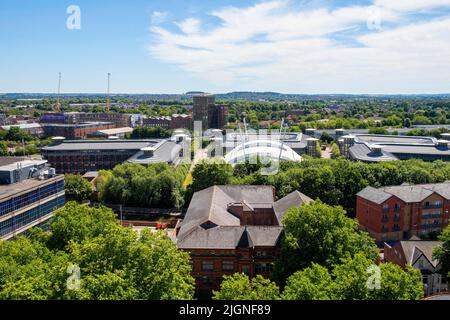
point(108, 100)
point(58, 104)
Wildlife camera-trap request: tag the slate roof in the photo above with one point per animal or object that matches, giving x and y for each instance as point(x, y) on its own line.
point(208, 223)
point(407, 193)
point(294, 199)
point(413, 249)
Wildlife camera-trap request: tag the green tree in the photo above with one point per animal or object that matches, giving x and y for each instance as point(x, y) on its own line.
point(442, 252)
point(240, 287)
point(3, 149)
point(114, 262)
point(355, 279)
point(77, 188)
point(312, 283)
point(322, 234)
point(207, 174)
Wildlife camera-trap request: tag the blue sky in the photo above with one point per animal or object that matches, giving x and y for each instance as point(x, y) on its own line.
point(175, 46)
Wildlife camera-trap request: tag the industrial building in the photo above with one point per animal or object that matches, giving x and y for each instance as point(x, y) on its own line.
point(377, 148)
point(35, 129)
point(176, 121)
point(75, 131)
point(118, 119)
point(81, 156)
point(110, 133)
point(29, 194)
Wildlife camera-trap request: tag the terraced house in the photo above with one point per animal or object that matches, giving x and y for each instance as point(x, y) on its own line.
point(229, 229)
point(400, 212)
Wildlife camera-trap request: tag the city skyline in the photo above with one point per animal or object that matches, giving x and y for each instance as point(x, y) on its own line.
point(287, 46)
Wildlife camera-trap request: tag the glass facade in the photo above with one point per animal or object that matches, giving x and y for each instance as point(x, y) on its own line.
point(36, 195)
point(27, 217)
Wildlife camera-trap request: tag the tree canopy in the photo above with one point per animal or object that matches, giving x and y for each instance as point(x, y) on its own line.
point(240, 287)
point(321, 234)
point(77, 188)
point(114, 262)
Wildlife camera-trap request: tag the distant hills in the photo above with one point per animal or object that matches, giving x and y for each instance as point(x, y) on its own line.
point(238, 95)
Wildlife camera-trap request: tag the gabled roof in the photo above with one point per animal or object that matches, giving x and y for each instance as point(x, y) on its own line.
point(375, 195)
point(294, 199)
point(211, 205)
point(406, 193)
point(413, 249)
point(231, 237)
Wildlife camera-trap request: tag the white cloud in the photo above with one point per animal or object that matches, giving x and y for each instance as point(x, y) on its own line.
point(189, 25)
point(411, 5)
point(271, 46)
point(159, 17)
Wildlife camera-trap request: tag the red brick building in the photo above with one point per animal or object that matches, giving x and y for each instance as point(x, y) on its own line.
point(400, 212)
point(75, 131)
point(233, 229)
point(176, 121)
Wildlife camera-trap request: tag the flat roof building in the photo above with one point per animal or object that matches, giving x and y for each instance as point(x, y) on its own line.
point(29, 194)
point(81, 156)
point(377, 148)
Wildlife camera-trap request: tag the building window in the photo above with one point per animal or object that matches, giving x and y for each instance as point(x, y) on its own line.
point(420, 264)
point(227, 266)
point(261, 253)
point(246, 269)
point(263, 268)
point(207, 265)
point(385, 207)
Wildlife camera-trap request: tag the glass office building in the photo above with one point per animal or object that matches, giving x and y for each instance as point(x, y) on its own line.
point(28, 204)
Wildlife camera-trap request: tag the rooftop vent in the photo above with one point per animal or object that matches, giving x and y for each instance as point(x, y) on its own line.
point(376, 149)
point(149, 151)
point(442, 144)
point(58, 140)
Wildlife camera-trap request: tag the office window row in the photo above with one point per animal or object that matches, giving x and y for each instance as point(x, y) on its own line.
point(31, 215)
point(31, 197)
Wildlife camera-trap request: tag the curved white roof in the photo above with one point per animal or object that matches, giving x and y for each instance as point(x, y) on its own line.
point(262, 148)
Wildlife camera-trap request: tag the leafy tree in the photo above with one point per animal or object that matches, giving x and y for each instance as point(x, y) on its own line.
point(442, 252)
point(207, 174)
point(157, 185)
point(336, 152)
point(3, 149)
point(115, 262)
point(351, 279)
point(312, 283)
point(77, 188)
point(322, 234)
point(240, 287)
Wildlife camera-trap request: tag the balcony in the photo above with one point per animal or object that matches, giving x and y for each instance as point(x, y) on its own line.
point(431, 216)
point(397, 218)
point(432, 206)
point(430, 225)
point(397, 209)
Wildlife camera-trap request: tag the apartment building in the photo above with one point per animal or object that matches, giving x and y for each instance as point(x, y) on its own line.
point(399, 212)
point(211, 115)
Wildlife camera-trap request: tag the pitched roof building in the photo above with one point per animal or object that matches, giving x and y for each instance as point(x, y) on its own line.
point(230, 229)
point(399, 212)
point(418, 254)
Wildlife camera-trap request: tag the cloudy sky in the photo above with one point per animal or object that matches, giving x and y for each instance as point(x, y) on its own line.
point(291, 46)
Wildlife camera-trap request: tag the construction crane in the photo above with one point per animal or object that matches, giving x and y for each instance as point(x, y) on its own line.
point(58, 103)
point(108, 100)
